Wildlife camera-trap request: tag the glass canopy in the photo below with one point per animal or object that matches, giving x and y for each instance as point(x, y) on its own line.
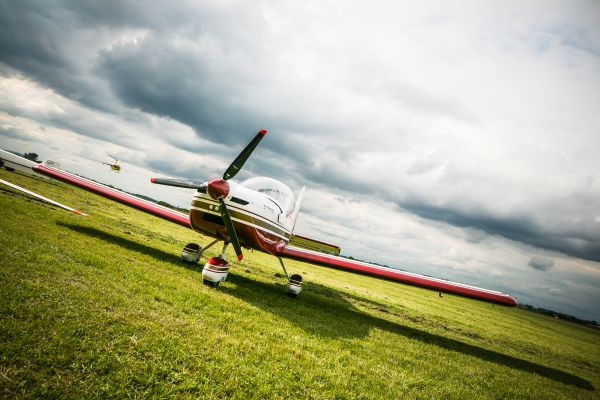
point(276, 190)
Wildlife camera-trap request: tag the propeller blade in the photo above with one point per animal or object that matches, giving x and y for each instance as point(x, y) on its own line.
point(40, 197)
point(179, 183)
point(239, 161)
point(229, 226)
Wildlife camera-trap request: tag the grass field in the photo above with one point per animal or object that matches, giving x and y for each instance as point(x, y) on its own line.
point(103, 307)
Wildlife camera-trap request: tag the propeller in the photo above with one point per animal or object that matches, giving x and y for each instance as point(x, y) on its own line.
point(230, 230)
point(218, 188)
point(240, 160)
point(179, 183)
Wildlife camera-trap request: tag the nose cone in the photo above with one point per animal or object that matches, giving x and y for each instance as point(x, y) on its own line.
point(218, 189)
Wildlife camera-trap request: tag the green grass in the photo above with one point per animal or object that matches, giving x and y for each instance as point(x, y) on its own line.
point(104, 308)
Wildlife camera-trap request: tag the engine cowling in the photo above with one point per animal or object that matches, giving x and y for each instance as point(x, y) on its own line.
point(215, 271)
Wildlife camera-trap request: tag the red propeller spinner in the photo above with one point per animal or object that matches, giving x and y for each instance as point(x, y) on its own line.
point(218, 188)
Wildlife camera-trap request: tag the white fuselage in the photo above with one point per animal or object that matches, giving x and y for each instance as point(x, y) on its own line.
point(260, 220)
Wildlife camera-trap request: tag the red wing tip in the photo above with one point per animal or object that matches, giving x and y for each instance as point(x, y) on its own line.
point(152, 179)
point(240, 257)
point(263, 132)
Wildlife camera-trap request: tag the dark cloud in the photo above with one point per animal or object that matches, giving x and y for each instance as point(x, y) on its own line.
point(197, 65)
point(541, 263)
point(46, 52)
point(14, 132)
point(173, 82)
point(518, 228)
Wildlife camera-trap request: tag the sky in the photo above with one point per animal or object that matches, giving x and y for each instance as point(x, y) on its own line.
point(454, 139)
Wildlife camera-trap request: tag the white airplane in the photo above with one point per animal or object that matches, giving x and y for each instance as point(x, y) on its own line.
point(259, 213)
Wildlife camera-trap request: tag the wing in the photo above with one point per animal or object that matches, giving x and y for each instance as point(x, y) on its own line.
point(114, 194)
point(347, 264)
point(13, 161)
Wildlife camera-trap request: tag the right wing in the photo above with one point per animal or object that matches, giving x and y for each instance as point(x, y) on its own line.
point(14, 162)
point(330, 260)
point(114, 194)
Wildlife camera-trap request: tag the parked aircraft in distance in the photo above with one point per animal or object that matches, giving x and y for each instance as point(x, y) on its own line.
point(258, 213)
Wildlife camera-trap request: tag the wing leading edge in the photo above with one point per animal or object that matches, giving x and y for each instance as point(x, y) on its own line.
point(397, 275)
point(114, 194)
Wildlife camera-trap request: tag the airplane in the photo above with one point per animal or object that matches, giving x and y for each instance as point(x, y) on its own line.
point(259, 213)
point(113, 167)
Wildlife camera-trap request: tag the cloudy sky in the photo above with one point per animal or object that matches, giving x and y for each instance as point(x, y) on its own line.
point(455, 140)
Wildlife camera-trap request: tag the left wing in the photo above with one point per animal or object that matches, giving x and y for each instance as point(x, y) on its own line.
point(351, 265)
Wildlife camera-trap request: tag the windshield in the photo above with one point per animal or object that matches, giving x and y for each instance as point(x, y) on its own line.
point(278, 191)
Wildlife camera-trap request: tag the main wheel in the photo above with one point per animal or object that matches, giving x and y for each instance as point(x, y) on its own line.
point(191, 253)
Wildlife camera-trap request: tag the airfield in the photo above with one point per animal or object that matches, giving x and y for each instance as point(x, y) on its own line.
point(103, 307)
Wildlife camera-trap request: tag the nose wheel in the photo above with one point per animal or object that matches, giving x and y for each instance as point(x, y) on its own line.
point(216, 269)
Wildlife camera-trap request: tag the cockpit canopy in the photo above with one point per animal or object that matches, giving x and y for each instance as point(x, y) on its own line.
point(278, 191)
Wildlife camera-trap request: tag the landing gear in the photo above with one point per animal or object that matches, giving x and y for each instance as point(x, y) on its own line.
point(216, 269)
point(294, 286)
point(192, 251)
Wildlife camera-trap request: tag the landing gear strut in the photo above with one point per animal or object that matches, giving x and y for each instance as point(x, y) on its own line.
point(294, 286)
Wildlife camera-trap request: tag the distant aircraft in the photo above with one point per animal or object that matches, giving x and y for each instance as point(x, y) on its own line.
point(113, 167)
point(259, 213)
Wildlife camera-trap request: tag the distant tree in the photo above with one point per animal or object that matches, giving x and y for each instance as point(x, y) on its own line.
point(32, 157)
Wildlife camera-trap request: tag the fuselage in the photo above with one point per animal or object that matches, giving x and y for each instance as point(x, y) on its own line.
point(262, 211)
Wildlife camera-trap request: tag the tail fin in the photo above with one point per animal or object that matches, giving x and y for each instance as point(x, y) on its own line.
point(297, 207)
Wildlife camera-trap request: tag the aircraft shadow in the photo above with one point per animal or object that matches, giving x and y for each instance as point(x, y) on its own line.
point(129, 245)
point(350, 321)
point(324, 311)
